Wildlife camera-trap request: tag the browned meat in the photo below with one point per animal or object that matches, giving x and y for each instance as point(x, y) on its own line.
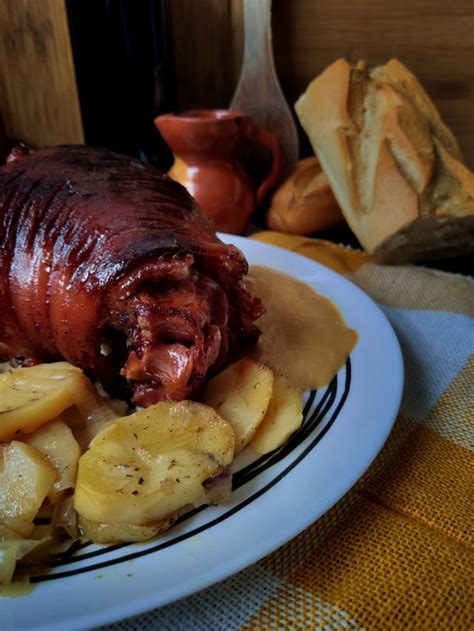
point(109, 264)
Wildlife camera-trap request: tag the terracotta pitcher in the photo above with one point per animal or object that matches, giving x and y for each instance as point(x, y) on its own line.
point(206, 145)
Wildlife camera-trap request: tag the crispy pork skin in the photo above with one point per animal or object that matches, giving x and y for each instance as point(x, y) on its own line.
point(111, 265)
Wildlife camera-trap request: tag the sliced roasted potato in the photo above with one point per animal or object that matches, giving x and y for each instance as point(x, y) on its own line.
point(119, 532)
point(32, 396)
point(241, 394)
point(145, 467)
point(25, 480)
point(7, 533)
point(56, 442)
point(284, 416)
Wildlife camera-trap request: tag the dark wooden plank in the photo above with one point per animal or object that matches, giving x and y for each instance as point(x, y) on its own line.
point(38, 96)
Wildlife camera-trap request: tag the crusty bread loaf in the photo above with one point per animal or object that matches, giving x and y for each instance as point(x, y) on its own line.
point(394, 167)
point(304, 203)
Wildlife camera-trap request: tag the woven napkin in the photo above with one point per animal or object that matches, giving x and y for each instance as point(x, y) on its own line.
point(397, 551)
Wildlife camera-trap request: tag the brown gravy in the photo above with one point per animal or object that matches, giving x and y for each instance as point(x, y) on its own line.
point(304, 336)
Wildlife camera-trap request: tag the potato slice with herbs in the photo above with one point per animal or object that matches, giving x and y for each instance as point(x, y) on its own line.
point(119, 532)
point(241, 394)
point(145, 467)
point(32, 396)
point(25, 480)
point(56, 442)
point(284, 416)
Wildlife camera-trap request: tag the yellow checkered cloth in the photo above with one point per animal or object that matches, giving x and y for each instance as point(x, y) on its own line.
point(397, 551)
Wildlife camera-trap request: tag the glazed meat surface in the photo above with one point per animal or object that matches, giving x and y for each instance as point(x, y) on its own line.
point(109, 264)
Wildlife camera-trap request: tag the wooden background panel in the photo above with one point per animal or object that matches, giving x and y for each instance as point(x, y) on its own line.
point(207, 40)
point(434, 38)
point(38, 97)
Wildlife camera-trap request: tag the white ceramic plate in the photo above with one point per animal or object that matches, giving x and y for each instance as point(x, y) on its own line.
point(274, 498)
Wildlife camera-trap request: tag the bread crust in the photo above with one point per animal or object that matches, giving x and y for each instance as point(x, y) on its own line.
point(394, 167)
point(304, 203)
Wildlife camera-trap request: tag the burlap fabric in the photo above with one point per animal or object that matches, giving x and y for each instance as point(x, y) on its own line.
point(397, 551)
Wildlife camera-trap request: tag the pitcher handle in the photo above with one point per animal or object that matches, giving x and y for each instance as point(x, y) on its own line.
point(267, 139)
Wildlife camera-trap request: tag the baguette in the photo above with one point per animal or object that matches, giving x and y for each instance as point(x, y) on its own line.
point(304, 203)
point(394, 167)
